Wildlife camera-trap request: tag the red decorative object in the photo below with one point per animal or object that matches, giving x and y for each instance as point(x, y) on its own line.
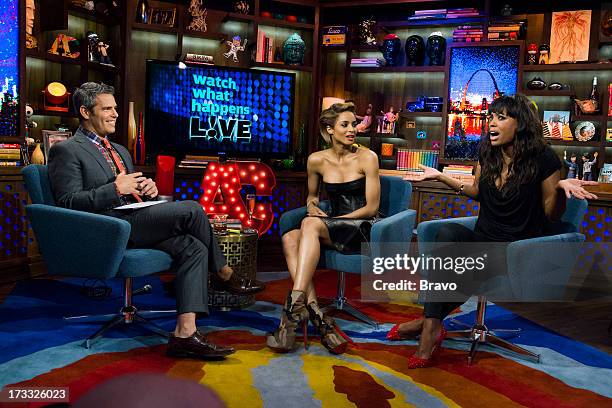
point(164, 175)
point(266, 14)
point(222, 184)
point(291, 18)
point(139, 148)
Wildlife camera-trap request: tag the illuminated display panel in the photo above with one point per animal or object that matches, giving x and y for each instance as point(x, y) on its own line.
point(9, 68)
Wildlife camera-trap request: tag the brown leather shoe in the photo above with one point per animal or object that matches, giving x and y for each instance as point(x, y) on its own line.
point(196, 346)
point(237, 284)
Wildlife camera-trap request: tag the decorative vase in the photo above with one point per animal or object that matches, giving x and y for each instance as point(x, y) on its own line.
point(37, 155)
point(294, 49)
point(415, 50)
point(132, 129)
point(142, 12)
point(139, 148)
point(436, 48)
point(242, 7)
point(391, 49)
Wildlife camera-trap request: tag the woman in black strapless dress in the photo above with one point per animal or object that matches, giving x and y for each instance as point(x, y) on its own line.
point(350, 177)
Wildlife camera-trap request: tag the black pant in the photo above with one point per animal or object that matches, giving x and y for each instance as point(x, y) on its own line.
point(457, 233)
point(182, 230)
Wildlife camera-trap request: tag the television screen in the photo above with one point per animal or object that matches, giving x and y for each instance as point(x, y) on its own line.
point(9, 68)
point(212, 110)
point(478, 74)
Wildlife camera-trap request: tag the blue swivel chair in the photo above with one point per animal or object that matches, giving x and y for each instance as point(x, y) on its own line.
point(396, 226)
point(532, 273)
point(86, 245)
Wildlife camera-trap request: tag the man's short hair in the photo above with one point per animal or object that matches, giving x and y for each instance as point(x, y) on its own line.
point(85, 95)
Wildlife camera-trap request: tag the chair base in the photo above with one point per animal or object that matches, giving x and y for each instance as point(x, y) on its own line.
point(479, 334)
point(343, 305)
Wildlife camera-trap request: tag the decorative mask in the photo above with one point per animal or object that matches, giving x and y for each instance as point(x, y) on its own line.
point(415, 50)
point(436, 48)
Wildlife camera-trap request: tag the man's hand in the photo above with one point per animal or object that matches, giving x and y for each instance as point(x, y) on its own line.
point(129, 183)
point(148, 188)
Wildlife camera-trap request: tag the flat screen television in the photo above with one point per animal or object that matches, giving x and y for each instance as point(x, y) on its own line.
point(212, 110)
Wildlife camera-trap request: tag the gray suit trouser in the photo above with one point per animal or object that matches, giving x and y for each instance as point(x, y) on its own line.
point(182, 230)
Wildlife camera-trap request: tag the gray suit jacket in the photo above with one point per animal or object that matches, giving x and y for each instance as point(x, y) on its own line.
point(81, 178)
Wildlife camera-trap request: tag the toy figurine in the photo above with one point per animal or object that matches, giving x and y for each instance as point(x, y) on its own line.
point(97, 50)
point(532, 54)
point(587, 166)
point(544, 51)
point(572, 171)
point(234, 48)
point(389, 120)
point(366, 120)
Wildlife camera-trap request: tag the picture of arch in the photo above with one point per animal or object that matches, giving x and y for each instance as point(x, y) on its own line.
point(478, 75)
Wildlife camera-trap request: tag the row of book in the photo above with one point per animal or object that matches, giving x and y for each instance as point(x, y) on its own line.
point(468, 33)
point(444, 13)
point(197, 162)
point(409, 159)
point(459, 172)
point(265, 48)
point(10, 154)
point(367, 62)
point(506, 30)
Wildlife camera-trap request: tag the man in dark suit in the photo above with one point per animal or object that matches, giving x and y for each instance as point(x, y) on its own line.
point(88, 173)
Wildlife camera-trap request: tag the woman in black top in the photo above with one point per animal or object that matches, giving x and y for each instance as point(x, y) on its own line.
point(518, 184)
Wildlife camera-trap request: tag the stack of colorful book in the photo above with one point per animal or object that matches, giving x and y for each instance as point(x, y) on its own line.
point(459, 172)
point(10, 154)
point(462, 12)
point(265, 48)
point(197, 162)
point(409, 159)
point(468, 33)
point(367, 62)
point(428, 14)
point(506, 30)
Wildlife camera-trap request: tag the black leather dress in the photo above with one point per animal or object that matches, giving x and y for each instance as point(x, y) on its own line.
point(347, 234)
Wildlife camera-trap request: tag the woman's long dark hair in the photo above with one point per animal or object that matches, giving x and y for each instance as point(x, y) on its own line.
point(528, 144)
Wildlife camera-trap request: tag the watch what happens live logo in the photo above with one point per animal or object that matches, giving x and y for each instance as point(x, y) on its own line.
point(215, 102)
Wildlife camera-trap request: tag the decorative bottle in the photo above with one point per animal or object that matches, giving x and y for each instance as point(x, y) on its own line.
point(132, 129)
point(142, 12)
point(595, 95)
point(139, 148)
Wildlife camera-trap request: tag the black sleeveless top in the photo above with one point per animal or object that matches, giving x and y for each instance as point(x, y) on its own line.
point(510, 216)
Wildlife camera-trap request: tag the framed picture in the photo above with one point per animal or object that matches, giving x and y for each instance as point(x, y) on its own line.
point(163, 16)
point(585, 130)
point(556, 125)
point(51, 137)
point(477, 75)
point(569, 36)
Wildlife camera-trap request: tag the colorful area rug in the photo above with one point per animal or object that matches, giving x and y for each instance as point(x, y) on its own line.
point(38, 348)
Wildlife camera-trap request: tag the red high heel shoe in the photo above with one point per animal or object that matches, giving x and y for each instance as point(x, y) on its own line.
point(417, 362)
point(394, 334)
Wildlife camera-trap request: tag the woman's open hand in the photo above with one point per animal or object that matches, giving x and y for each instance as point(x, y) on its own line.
point(575, 187)
point(429, 173)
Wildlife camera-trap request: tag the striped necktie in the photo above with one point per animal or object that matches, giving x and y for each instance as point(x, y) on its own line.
point(118, 162)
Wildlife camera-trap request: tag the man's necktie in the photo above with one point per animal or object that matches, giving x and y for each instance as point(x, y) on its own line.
point(118, 162)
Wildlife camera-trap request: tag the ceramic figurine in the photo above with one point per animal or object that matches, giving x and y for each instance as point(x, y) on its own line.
point(198, 16)
point(294, 49)
point(572, 171)
point(366, 120)
point(415, 50)
point(536, 84)
point(436, 48)
point(544, 51)
point(97, 50)
point(532, 54)
point(234, 48)
point(587, 166)
point(389, 120)
point(391, 49)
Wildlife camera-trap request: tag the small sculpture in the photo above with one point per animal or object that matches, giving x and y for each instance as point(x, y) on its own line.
point(234, 48)
point(391, 49)
point(389, 120)
point(415, 50)
point(294, 49)
point(366, 31)
point(587, 166)
point(97, 50)
point(436, 48)
point(544, 51)
point(198, 16)
point(572, 170)
point(31, 41)
point(536, 84)
point(65, 46)
point(30, 124)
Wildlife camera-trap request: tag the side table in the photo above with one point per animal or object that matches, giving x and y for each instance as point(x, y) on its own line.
point(240, 251)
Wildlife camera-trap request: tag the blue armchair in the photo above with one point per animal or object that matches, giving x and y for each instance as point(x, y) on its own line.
point(396, 226)
point(86, 245)
point(521, 283)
